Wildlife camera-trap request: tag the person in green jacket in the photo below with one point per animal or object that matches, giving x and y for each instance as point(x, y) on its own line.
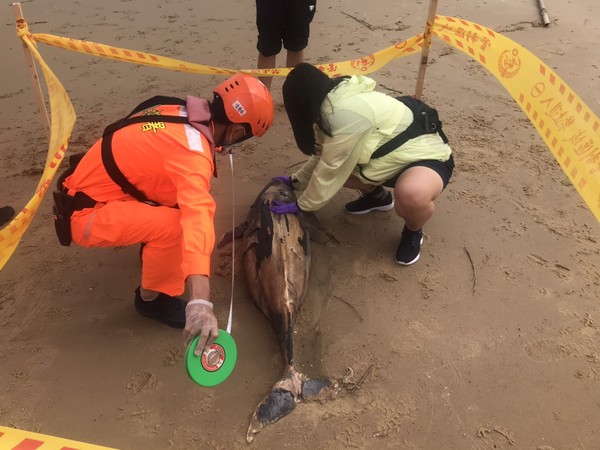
point(341, 123)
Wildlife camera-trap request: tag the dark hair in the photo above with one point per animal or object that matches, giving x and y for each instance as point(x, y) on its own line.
point(304, 90)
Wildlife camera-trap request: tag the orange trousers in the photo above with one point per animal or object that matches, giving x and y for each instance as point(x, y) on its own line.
point(117, 224)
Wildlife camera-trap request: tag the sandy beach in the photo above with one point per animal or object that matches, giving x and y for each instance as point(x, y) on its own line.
point(490, 341)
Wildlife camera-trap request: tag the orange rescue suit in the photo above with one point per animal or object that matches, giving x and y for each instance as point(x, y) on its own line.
point(172, 164)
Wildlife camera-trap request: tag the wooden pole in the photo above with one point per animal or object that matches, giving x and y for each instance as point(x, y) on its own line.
point(543, 12)
point(37, 88)
point(426, 47)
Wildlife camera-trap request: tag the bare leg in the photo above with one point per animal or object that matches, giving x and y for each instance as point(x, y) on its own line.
point(266, 62)
point(294, 58)
point(415, 191)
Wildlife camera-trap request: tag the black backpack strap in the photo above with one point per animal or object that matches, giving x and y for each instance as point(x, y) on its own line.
point(425, 121)
point(156, 101)
point(115, 126)
point(115, 173)
point(159, 100)
point(107, 155)
point(81, 200)
point(108, 158)
point(442, 134)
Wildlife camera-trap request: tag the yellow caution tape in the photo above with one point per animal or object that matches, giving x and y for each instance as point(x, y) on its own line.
point(13, 439)
point(360, 66)
point(568, 127)
point(63, 119)
point(563, 120)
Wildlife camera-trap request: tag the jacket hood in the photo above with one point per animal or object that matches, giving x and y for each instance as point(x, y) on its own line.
point(352, 86)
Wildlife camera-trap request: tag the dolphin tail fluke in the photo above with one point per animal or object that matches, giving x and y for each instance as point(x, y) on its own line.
point(291, 389)
point(320, 389)
point(278, 403)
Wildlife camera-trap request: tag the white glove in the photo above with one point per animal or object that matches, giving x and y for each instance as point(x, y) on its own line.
point(200, 320)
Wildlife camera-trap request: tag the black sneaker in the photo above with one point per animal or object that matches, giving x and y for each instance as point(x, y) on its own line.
point(409, 249)
point(164, 308)
point(6, 214)
point(379, 199)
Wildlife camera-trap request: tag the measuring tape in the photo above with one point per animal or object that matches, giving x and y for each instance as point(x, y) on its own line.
point(215, 365)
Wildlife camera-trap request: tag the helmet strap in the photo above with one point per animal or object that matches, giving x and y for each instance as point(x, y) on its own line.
point(235, 133)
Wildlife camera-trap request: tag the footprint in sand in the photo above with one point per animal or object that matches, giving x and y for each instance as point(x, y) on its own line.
point(547, 350)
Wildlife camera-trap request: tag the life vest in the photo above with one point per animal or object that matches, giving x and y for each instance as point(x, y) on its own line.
point(65, 204)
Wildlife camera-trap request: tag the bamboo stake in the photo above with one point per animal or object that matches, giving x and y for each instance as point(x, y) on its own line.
point(37, 88)
point(426, 47)
point(543, 12)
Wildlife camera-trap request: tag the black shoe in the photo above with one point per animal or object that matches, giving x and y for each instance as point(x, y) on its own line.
point(379, 199)
point(6, 214)
point(409, 249)
point(164, 308)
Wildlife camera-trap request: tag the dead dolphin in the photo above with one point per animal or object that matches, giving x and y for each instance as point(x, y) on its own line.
point(277, 261)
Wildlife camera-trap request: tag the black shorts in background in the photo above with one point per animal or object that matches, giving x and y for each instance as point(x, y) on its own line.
point(284, 22)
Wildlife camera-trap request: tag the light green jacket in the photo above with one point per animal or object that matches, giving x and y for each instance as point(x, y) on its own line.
point(361, 120)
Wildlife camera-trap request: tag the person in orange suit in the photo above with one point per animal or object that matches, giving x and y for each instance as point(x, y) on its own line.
point(159, 195)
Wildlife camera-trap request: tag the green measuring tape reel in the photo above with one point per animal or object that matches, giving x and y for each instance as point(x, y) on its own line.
point(214, 366)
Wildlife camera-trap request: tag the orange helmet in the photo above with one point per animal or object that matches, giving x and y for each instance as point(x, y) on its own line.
point(247, 100)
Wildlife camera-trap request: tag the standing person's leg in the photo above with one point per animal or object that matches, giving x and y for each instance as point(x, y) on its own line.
point(415, 191)
point(270, 22)
point(266, 62)
point(128, 223)
point(294, 58)
point(300, 14)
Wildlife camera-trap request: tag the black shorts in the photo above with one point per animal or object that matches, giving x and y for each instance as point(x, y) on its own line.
point(443, 169)
point(283, 21)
